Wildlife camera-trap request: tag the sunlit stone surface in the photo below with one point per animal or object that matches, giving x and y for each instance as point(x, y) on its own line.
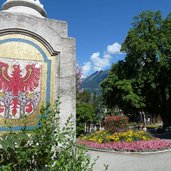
point(37, 64)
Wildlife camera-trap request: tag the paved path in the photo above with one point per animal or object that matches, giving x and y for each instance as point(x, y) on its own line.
point(132, 162)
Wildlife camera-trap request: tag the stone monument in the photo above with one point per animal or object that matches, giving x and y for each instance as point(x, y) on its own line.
point(37, 64)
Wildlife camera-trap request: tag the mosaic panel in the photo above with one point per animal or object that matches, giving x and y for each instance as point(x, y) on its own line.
point(27, 76)
point(19, 87)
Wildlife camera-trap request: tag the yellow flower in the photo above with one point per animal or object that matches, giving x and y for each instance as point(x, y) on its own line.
point(129, 140)
point(128, 136)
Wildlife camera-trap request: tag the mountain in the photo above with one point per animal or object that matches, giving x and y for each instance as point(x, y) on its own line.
point(92, 82)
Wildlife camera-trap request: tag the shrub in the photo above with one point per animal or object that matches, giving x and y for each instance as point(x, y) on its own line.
point(49, 147)
point(117, 123)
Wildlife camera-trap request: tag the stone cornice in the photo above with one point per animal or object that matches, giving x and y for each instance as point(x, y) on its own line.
point(31, 4)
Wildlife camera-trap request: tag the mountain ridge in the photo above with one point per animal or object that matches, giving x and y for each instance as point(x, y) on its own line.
point(92, 82)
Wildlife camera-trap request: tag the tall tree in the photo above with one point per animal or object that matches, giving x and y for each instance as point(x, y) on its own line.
point(85, 110)
point(143, 78)
point(164, 76)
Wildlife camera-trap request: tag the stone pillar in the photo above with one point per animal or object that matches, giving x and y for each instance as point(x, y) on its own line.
point(37, 64)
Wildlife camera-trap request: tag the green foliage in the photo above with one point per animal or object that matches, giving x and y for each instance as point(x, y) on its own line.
point(89, 105)
point(154, 126)
point(83, 97)
point(49, 147)
point(100, 109)
point(120, 93)
point(142, 82)
point(85, 115)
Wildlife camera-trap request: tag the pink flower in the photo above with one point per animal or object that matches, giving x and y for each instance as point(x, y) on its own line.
point(152, 145)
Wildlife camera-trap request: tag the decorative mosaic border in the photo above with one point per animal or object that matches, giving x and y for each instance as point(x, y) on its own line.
point(28, 33)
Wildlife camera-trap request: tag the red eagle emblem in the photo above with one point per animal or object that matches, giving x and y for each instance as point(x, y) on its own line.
point(17, 94)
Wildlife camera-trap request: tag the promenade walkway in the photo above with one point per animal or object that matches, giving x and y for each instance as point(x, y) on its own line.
point(132, 162)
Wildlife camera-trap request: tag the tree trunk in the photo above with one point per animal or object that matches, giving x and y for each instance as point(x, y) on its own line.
point(165, 107)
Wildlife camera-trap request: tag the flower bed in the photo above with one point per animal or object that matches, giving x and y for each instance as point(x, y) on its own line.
point(131, 141)
point(136, 146)
point(128, 136)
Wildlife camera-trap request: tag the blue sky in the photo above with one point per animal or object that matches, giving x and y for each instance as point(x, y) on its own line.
point(100, 26)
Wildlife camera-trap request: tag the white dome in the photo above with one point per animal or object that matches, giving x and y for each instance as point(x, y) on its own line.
point(32, 7)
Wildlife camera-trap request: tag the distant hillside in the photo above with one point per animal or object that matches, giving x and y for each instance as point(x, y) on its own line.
point(92, 83)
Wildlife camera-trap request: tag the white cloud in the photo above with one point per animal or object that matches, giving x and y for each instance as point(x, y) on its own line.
point(98, 62)
point(87, 67)
point(115, 48)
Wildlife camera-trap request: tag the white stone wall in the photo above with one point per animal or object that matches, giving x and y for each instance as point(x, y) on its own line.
point(56, 34)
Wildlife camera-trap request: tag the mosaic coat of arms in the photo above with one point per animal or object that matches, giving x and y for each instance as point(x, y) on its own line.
point(19, 88)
